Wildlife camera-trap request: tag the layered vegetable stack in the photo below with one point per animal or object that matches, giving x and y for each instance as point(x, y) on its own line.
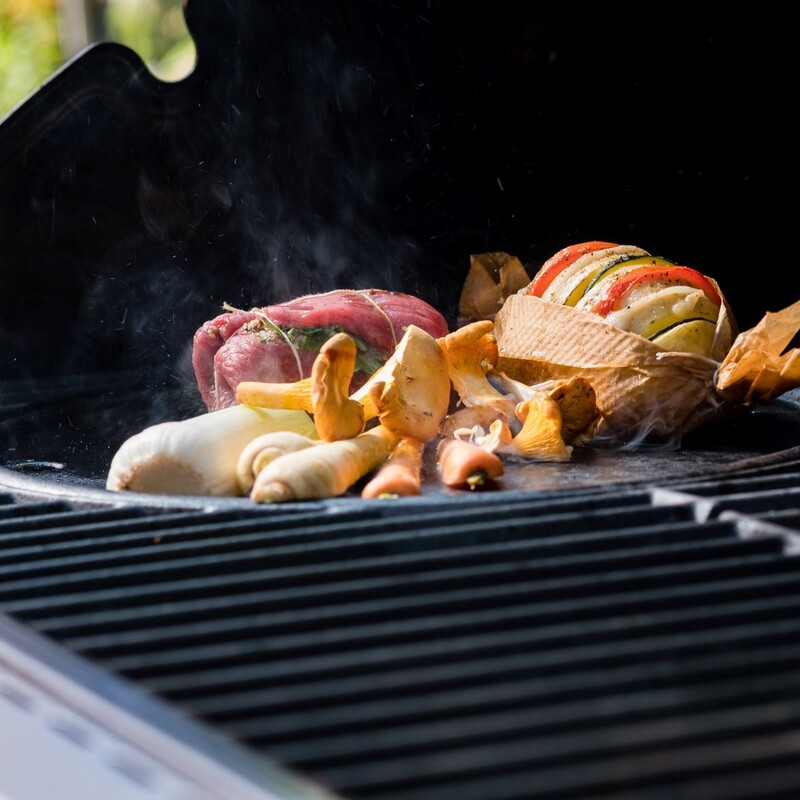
point(671, 305)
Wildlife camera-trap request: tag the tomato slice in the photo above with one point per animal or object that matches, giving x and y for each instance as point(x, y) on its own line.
point(587, 277)
point(560, 261)
point(615, 297)
point(623, 262)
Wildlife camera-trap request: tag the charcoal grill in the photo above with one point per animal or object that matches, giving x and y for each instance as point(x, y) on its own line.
point(622, 626)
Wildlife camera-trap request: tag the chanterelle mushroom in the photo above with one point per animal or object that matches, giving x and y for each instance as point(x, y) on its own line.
point(540, 437)
point(324, 393)
point(336, 416)
point(410, 393)
point(576, 399)
point(471, 352)
point(555, 415)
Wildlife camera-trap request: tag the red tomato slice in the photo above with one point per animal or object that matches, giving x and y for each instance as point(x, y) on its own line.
point(560, 261)
point(614, 297)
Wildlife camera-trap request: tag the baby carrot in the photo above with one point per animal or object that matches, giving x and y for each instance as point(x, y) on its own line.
point(400, 474)
point(466, 465)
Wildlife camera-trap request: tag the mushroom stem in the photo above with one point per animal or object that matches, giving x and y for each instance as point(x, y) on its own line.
point(336, 416)
point(258, 394)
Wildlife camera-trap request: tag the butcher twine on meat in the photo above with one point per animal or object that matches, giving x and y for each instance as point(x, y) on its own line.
point(278, 343)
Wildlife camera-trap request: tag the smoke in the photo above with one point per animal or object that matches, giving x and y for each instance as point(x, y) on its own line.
point(324, 146)
point(299, 157)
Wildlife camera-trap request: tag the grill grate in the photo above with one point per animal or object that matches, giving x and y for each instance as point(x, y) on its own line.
point(631, 641)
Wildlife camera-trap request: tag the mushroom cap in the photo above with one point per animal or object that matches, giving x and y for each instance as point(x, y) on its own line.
point(411, 391)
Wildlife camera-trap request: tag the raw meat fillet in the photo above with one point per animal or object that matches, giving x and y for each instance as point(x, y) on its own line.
point(279, 343)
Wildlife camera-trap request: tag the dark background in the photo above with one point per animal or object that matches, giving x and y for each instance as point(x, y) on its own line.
point(347, 144)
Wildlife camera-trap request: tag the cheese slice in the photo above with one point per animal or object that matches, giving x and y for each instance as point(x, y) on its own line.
point(657, 311)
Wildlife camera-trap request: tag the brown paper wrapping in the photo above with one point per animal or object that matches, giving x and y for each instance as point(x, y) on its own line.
point(645, 393)
point(756, 369)
point(491, 278)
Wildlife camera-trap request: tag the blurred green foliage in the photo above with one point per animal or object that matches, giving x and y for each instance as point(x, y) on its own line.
point(156, 30)
point(31, 47)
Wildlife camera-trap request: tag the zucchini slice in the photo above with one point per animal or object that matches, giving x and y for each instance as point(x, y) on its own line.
point(561, 286)
point(695, 335)
point(613, 266)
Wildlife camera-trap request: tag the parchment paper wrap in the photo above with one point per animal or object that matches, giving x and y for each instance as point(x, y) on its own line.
point(491, 278)
point(645, 393)
point(757, 369)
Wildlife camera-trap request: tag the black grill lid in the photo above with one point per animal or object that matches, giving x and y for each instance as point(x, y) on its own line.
point(335, 145)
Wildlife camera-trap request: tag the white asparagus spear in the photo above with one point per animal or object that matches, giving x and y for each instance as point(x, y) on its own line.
point(197, 456)
point(327, 470)
point(264, 449)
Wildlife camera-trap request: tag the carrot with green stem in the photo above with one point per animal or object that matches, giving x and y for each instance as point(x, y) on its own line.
point(464, 465)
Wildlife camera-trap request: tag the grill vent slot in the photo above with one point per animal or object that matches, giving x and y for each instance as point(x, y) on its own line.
point(616, 642)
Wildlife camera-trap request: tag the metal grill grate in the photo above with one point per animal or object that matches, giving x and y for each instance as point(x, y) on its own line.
point(627, 642)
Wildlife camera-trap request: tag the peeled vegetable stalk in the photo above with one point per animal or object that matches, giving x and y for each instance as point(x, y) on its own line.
point(264, 449)
point(197, 456)
point(327, 470)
